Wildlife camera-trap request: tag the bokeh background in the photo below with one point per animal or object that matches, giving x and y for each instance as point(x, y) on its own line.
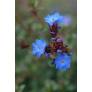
point(39, 75)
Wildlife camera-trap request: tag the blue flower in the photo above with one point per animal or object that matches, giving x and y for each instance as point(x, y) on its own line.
point(67, 20)
point(38, 47)
point(62, 61)
point(53, 18)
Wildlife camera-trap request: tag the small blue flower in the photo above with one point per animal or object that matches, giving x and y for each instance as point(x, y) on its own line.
point(53, 18)
point(67, 20)
point(62, 61)
point(38, 47)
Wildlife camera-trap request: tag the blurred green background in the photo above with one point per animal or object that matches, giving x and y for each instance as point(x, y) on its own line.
point(38, 75)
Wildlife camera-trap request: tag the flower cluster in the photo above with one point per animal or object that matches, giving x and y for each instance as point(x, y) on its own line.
point(56, 49)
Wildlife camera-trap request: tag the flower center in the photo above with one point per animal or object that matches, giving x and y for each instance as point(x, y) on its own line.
point(62, 61)
point(53, 19)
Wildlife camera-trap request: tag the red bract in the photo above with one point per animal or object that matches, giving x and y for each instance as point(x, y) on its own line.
point(54, 30)
point(56, 45)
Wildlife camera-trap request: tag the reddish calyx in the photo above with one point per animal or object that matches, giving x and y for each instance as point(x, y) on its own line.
point(57, 45)
point(54, 30)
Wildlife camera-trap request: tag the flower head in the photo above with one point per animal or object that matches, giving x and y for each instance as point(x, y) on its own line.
point(62, 61)
point(38, 47)
point(53, 18)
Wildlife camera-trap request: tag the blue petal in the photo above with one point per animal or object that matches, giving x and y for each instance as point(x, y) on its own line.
point(53, 18)
point(66, 62)
point(38, 47)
